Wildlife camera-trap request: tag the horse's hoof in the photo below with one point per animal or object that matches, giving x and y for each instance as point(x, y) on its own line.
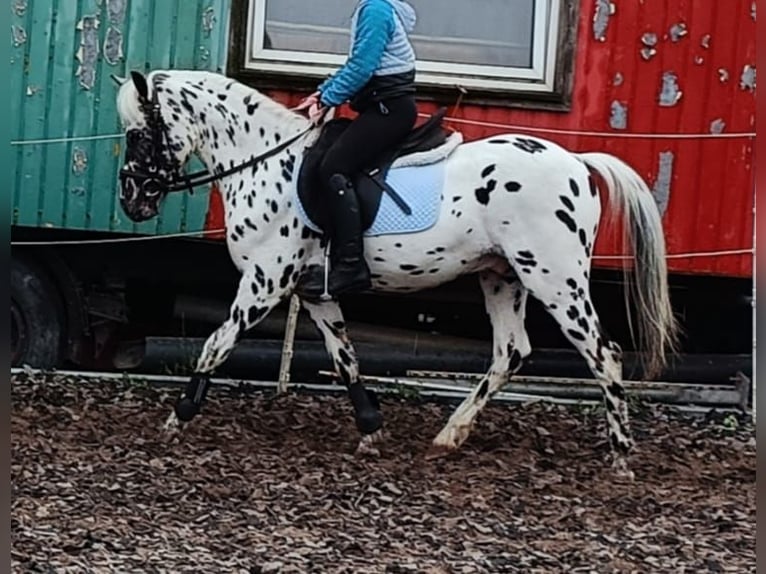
point(369, 421)
point(186, 409)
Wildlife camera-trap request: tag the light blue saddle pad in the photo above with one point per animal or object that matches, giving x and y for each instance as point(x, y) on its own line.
point(421, 189)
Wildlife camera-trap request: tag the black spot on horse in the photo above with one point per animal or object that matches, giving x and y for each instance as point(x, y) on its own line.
point(406, 267)
point(567, 220)
point(344, 356)
point(526, 254)
point(274, 206)
point(617, 390)
point(588, 309)
point(284, 281)
point(482, 193)
point(529, 145)
point(513, 186)
point(284, 231)
point(483, 389)
point(567, 202)
point(573, 313)
point(574, 187)
point(456, 199)
point(577, 335)
point(583, 238)
point(498, 141)
point(262, 131)
point(488, 170)
point(260, 276)
point(223, 97)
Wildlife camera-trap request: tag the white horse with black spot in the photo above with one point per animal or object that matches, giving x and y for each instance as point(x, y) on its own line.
point(521, 212)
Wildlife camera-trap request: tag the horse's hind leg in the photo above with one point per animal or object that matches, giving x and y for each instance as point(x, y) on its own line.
point(505, 302)
point(566, 297)
point(328, 318)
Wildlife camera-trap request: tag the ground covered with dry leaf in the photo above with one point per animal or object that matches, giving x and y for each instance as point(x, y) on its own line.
point(262, 484)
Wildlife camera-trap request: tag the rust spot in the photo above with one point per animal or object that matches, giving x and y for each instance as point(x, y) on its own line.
point(79, 161)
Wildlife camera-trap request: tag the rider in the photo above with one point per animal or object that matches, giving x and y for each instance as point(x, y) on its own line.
point(378, 80)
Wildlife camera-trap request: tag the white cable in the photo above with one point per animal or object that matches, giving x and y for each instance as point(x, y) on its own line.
point(66, 140)
point(596, 134)
point(746, 251)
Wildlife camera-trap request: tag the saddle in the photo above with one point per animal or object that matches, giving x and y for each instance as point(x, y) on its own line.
point(370, 182)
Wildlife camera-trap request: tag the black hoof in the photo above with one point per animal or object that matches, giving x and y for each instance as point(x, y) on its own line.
point(186, 409)
point(369, 421)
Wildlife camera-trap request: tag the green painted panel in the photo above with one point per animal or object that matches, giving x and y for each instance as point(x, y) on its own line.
point(66, 137)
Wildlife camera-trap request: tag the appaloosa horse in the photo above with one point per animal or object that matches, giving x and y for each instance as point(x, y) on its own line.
point(521, 212)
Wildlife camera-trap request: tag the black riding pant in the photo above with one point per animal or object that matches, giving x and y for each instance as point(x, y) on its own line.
point(373, 131)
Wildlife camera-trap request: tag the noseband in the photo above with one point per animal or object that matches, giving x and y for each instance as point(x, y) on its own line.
point(152, 183)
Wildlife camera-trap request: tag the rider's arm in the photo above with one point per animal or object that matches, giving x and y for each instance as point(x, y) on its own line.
point(374, 28)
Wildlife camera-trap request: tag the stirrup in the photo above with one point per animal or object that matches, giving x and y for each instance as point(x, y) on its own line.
point(325, 296)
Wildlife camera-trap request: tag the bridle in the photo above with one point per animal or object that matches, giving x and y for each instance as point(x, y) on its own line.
point(152, 183)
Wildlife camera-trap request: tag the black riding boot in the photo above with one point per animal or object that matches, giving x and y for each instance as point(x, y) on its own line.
point(348, 269)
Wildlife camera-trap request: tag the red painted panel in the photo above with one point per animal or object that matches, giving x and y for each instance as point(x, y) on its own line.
point(712, 185)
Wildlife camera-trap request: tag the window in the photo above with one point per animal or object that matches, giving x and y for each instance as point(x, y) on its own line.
point(486, 46)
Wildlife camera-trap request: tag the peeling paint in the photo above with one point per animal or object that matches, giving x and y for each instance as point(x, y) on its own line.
point(19, 35)
point(649, 40)
point(717, 126)
point(87, 54)
point(648, 53)
point(113, 46)
point(671, 93)
point(604, 11)
point(79, 161)
point(20, 7)
point(619, 118)
point(752, 10)
point(705, 42)
point(619, 79)
point(678, 31)
point(661, 189)
point(699, 60)
point(32, 90)
point(204, 54)
point(208, 21)
point(747, 81)
point(116, 10)
point(723, 75)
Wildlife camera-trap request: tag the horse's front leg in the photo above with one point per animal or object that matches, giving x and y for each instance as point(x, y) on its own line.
point(256, 297)
point(328, 318)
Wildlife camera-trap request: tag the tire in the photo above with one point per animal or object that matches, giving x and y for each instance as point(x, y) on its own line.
point(37, 324)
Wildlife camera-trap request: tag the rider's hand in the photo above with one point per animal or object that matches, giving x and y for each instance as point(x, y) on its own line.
point(307, 102)
point(317, 112)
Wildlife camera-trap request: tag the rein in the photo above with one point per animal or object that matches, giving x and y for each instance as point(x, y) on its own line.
point(183, 182)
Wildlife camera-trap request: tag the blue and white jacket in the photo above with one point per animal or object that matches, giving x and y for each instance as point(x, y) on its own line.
point(380, 47)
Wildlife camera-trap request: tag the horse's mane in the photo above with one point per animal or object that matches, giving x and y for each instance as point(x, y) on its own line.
point(128, 105)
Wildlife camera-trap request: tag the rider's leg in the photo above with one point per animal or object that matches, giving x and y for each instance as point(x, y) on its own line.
point(375, 130)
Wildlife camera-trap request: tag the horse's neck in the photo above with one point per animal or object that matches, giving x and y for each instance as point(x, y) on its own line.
point(237, 123)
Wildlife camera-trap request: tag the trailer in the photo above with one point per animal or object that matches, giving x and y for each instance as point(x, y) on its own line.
point(669, 87)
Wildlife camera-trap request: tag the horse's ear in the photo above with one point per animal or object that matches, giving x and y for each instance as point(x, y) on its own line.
point(117, 79)
point(141, 86)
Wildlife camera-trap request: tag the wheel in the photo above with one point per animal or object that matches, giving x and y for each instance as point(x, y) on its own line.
point(36, 318)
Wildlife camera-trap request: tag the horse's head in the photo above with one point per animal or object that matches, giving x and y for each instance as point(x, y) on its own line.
point(158, 144)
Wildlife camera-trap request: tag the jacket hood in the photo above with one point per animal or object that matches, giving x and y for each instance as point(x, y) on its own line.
point(406, 13)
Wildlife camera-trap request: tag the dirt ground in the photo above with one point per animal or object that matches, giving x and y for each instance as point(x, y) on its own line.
point(257, 484)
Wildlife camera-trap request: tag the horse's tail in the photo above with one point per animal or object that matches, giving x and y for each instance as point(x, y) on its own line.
point(630, 197)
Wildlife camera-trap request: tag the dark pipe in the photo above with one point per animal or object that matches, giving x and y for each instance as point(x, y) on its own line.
point(260, 359)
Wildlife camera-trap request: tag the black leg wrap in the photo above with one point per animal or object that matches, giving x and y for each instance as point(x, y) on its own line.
point(188, 406)
point(368, 416)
